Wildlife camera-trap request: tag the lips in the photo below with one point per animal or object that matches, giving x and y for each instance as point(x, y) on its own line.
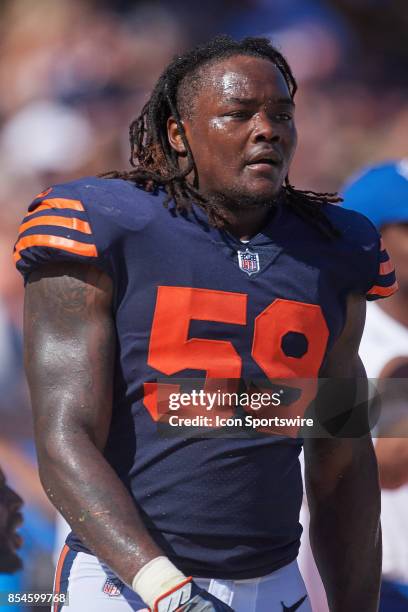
point(265, 157)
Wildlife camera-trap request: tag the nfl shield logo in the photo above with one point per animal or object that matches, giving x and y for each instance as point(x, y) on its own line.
point(113, 587)
point(248, 261)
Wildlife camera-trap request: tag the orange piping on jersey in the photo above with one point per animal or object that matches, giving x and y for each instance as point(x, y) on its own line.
point(56, 242)
point(386, 267)
point(57, 582)
point(383, 291)
point(70, 223)
point(59, 203)
point(43, 193)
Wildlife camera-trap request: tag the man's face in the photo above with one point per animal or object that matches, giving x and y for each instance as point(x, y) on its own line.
point(396, 242)
point(10, 519)
point(241, 130)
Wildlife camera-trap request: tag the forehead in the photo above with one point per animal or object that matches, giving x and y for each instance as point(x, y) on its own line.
point(242, 76)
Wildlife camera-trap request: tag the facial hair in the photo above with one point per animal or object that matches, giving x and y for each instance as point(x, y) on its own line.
point(237, 200)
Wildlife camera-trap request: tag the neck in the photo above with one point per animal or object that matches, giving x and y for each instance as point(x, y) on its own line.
point(396, 307)
point(245, 223)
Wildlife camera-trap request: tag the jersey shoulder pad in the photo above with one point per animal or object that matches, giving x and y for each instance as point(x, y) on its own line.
point(365, 258)
point(74, 222)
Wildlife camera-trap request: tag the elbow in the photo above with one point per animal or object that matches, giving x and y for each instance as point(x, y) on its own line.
point(51, 455)
point(56, 455)
point(58, 467)
point(51, 447)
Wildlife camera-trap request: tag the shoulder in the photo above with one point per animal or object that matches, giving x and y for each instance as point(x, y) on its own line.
point(356, 230)
point(110, 207)
point(96, 194)
point(363, 255)
point(83, 221)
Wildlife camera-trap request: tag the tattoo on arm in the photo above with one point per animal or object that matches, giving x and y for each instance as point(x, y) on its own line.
point(69, 355)
point(70, 340)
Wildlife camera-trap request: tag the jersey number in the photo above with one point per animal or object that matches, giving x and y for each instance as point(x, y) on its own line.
point(171, 350)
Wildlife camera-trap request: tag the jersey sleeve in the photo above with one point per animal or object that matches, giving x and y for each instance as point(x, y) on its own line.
point(385, 282)
point(56, 228)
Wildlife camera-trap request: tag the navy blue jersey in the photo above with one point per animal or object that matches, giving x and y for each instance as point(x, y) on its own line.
point(191, 300)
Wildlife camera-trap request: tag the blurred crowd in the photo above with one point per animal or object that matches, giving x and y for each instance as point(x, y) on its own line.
point(74, 73)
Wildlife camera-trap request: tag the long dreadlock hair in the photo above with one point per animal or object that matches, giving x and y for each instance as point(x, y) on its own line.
point(155, 162)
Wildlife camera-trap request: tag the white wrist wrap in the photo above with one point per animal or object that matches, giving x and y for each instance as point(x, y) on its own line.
point(156, 578)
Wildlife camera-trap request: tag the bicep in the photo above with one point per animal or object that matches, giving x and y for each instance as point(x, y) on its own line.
point(69, 345)
point(342, 407)
point(343, 360)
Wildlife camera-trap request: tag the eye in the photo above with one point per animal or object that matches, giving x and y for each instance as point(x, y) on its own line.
point(284, 116)
point(238, 114)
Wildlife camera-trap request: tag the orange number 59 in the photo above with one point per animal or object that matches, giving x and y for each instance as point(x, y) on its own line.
point(171, 350)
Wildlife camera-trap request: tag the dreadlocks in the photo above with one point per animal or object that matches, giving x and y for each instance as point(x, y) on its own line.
point(155, 162)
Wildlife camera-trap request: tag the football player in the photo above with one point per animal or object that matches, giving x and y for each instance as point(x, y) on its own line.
point(10, 520)
point(202, 260)
point(380, 192)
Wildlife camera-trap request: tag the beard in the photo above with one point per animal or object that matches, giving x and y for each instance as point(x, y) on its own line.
point(236, 200)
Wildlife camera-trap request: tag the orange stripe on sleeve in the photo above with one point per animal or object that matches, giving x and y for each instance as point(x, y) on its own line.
point(57, 581)
point(69, 222)
point(383, 291)
point(386, 267)
point(59, 203)
point(43, 193)
point(56, 242)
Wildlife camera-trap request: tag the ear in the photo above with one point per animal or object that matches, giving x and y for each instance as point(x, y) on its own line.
point(174, 136)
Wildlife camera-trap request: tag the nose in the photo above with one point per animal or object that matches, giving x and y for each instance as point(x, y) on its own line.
point(265, 128)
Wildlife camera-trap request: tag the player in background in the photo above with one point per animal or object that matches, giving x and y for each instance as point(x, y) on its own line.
point(10, 520)
point(239, 274)
point(381, 193)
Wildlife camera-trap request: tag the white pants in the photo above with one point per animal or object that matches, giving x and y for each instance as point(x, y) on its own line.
point(91, 586)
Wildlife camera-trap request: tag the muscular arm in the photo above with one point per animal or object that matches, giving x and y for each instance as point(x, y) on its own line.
point(343, 491)
point(69, 355)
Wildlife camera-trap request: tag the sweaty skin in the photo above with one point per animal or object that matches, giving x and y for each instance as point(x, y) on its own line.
point(69, 352)
point(69, 328)
point(246, 111)
point(70, 344)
